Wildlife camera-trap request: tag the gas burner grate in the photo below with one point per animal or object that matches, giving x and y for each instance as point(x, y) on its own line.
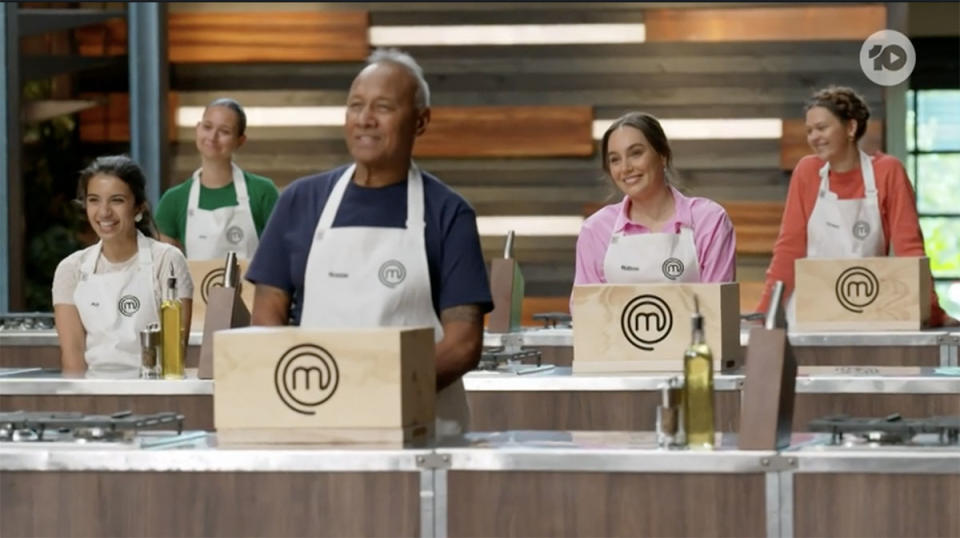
point(892, 429)
point(21, 426)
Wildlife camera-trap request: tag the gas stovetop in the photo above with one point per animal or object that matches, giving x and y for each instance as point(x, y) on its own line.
point(892, 429)
point(41, 427)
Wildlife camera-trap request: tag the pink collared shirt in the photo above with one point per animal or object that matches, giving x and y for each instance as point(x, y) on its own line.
point(713, 236)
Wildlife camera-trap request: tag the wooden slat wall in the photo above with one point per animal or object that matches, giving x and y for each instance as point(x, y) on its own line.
point(534, 131)
point(793, 143)
point(268, 37)
point(765, 23)
point(110, 122)
point(259, 36)
point(753, 61)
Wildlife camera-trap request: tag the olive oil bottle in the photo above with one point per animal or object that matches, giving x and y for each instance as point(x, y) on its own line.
point(698, 388)
point(171, 329)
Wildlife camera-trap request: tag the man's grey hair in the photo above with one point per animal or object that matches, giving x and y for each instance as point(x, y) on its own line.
point(422, 97)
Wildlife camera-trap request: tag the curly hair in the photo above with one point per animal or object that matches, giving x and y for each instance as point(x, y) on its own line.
point(844, 103)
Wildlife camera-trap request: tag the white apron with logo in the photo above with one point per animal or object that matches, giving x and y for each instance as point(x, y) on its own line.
point(844, 228)
point(363, 276)
point(651, 257)
point(114, 308)
point(210, 234)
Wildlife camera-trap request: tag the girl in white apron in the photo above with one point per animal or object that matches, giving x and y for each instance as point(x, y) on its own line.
point(836, 120)
point(99, 312)
point(210, 234)
point(636, 155)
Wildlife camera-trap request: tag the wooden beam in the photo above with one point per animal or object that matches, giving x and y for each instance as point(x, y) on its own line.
point(268, 36)
point(508, 131)
point(110, 122)
point(808, 23)
point(793, 141)
point(756, 224)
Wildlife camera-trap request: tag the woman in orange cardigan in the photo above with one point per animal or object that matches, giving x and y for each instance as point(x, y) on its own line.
point(843, 203)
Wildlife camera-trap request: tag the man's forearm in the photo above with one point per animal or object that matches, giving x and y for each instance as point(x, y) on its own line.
point(454, 359)
point(459, 350)
point(271, 306)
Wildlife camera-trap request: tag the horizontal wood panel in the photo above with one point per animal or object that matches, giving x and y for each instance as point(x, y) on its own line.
point(767, 87)
point(793, 143)
point(110, 122)
point(766, 23)
point(268, 36)
point(755, 161)
point(507, 132)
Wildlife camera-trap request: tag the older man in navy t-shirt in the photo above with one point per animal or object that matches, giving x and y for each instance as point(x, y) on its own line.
point(379, 242)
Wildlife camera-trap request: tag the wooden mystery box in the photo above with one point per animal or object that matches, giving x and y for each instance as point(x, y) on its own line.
point(647, 327)
point(297, 385)
point(863, 294)
point(208, 274)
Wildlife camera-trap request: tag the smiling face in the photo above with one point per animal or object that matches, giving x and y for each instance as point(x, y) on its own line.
point(218, 133)
point(635, 167)
point(828, 136)
point(382, 120)
point(111, 207)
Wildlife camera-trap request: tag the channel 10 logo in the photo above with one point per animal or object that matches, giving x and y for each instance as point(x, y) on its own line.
point(646, 320)
point(856, 288)
point(305, 377)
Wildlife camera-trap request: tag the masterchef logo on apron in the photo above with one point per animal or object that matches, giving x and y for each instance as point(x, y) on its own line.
point(672, 268)
point(392, 273)
point(128, 305)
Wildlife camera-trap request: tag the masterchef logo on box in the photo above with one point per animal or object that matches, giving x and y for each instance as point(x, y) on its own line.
point(305, 377)
point(211, 280)
point(856, 288)
point(646, 320)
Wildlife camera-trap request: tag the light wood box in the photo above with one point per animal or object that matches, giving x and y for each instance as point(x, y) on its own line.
point(297, 385)
point(207, 274)
point(862, 294)
point(601, 343)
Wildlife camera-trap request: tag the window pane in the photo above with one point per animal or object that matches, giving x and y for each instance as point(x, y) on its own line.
point(938, 120)
point(938, 183)
point(949, 294)
point(941, 237)
point(912, 170)
point(911, 118)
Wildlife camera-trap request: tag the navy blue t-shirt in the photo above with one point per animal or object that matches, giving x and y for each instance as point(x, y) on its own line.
point(458, 274)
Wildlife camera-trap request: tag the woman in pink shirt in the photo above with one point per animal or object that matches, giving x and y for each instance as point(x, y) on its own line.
point(655, 234)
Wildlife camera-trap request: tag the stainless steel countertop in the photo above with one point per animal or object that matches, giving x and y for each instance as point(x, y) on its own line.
point(198, 451)
point(484, 451)
point(563, 337)
point(25, 381)
point(48, 337)
point(539, 337)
